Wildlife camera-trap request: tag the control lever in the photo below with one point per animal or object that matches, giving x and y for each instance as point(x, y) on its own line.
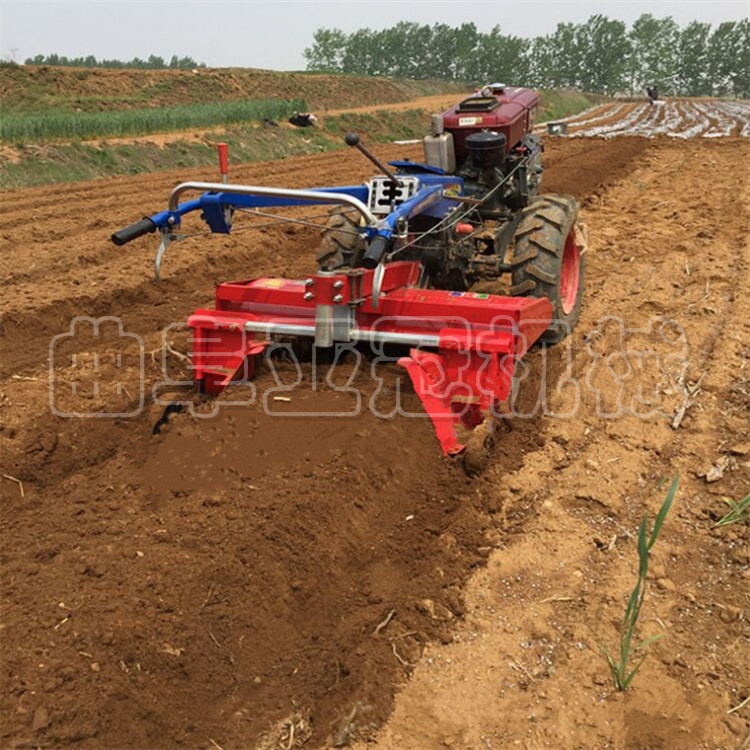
point(353, 139)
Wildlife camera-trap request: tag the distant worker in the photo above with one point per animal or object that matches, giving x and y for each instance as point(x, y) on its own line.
point(303, 119)
point(653, 94)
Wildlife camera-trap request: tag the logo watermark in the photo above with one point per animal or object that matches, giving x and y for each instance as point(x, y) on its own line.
point(88, 369)
point(98, 369)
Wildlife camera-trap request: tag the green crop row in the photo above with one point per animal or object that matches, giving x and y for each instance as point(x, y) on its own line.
point(80, 126)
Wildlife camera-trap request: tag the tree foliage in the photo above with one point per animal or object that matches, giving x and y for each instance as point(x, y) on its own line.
point(601, 55)
point(152, 63)
point(655, 46)
point(603, 48)
point(693, 78)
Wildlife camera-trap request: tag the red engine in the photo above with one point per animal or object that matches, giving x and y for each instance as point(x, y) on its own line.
point(487, 140)
point(501, 109)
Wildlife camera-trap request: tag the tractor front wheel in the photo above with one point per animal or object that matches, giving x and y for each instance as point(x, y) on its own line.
point(549, 260)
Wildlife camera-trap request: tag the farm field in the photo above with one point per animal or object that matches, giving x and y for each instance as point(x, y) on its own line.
point(256, 581)
point(680, 118)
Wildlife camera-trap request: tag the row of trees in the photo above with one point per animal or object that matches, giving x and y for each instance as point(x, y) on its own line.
point(601, 55)
point(154, 62)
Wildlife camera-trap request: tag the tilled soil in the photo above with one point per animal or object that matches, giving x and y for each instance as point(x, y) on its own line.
point(668, 273)
point(252, 580)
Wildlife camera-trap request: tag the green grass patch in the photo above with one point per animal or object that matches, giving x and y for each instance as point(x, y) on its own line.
point(382, 126)
point(559, 103)
point(79, 126)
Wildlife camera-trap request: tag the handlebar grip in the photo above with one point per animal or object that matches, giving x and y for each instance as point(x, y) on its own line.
point(123, 236)
point(375, 252)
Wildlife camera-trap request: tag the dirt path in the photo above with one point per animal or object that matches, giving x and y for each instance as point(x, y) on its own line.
point(437, 103)
point(233, 576)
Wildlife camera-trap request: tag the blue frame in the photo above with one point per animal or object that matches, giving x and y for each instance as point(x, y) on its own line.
point(432, 199)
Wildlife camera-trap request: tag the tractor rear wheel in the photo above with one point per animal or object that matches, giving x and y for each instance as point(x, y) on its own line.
point(549, 260)
point(342, 245)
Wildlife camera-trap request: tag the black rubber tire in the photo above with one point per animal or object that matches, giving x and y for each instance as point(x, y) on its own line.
point(537, 257)
point(341, 245)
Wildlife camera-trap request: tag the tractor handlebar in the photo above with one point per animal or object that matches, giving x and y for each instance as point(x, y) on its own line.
point(132, 232)
point(375, 252)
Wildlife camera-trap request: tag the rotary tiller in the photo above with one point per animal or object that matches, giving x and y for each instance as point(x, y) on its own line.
point(412, 258)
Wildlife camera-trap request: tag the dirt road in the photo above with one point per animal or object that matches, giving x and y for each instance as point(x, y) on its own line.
point(265, 581)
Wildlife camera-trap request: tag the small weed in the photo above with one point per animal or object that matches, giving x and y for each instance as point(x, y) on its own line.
point(739, 511)
point(622, 669)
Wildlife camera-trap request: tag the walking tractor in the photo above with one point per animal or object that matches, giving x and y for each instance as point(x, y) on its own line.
point(416, 257)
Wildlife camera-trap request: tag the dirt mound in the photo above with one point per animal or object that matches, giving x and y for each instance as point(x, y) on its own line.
point(30, 88)
point(230, 569)
point(586, 169)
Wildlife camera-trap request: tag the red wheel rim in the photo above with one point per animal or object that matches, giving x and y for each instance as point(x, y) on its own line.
point(570, 274)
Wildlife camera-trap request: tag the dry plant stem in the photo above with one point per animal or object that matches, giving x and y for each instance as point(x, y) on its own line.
point(179, 355)
point(17, 481)
point(207, 599)
point(398, 656)
point(742, 705)
point(382, 625)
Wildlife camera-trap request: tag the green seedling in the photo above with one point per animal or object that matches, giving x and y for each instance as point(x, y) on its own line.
point(632, 655)
point(739, 511)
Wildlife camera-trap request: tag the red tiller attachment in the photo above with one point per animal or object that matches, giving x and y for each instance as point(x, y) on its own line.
point(464, 345)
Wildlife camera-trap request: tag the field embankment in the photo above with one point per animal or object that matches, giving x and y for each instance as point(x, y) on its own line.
point(70, 144)
point(28, 88)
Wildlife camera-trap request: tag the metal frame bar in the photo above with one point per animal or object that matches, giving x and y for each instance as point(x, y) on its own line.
point(354, 334)
point(314, 196)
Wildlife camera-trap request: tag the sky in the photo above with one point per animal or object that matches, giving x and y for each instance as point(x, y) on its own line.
point(273, 35)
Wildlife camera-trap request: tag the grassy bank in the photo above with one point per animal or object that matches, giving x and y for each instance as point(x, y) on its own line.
point(73, 162)
point(42, 164)
point(559, 103)
point(42, 128)
point(71, 126)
